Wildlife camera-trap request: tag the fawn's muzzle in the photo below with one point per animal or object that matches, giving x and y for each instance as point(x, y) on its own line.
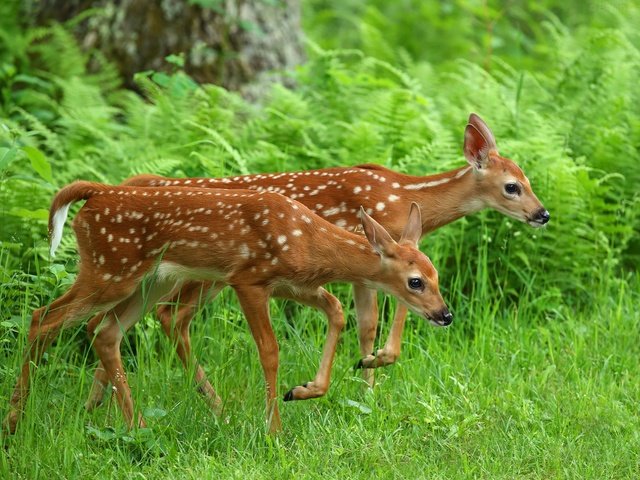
point(443, 318)
point(541, 216)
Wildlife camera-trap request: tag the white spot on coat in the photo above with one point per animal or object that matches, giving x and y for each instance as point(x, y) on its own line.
point(331, 211)
point(244, 251)
point(432, 183)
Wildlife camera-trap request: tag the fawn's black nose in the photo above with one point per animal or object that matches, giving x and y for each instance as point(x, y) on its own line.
point(446, 317)
point(542, 216)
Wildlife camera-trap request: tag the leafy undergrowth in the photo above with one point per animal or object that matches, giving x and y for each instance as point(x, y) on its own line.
point(500, 394)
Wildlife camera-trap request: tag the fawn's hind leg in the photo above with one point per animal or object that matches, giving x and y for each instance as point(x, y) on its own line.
point(176, 327)
point(108, 332)
point(175, 319)
point(82, 299)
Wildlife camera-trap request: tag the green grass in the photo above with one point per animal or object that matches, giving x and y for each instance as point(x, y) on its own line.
point(536, 378)
point(502, 393)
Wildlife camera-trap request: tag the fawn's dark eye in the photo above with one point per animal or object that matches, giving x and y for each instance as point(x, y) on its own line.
point(512, 188)
point(416, 284)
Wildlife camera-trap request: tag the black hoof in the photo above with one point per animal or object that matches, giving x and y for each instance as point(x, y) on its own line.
point(288, 396)
point(360, 363)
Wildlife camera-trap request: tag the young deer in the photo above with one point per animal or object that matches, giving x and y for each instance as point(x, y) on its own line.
point(138, 245)
point(337, 193)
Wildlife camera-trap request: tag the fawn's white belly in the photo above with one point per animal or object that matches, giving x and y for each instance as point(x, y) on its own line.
point(175, 271)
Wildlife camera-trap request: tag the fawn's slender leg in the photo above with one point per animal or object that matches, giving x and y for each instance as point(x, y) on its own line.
point(46, 323)
point(255, 305)
point(176, 327)
point(100, 380)
point(109, 332)
point(322, 300)
point(391, 350)
point(187, 301)
point(366, 303)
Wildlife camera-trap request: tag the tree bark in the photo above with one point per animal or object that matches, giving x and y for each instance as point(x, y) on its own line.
point(232, 43)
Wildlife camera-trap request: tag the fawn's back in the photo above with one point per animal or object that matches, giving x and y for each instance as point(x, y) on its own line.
point(211, 234)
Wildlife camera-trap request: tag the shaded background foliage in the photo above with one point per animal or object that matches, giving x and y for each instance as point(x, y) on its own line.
point(554, 80)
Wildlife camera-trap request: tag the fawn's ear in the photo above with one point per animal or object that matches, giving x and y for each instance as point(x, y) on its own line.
point(413, 229)
point(484, 129)
point(478, 142)
point(378, 237)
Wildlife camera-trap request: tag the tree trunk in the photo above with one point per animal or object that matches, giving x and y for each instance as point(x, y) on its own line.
point(228, 42)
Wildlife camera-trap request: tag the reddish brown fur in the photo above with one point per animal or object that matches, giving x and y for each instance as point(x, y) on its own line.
point(337, 194)
point(259, 243)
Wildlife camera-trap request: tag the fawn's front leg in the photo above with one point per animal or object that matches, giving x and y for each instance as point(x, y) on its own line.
point(366, 303)
point(321, 300)
point(391, 350)
point(255, 305)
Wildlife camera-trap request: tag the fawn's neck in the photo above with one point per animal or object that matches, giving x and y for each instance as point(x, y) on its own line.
point(443, 198)
point(346, 257)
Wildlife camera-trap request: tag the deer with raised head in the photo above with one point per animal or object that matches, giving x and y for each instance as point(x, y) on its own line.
point(489, 180)
point(138, 245)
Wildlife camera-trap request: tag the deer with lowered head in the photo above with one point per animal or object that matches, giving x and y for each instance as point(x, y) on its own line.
point(336, 194)
point(140, 245)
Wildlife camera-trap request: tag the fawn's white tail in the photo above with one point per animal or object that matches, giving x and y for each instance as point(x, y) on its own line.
point(57, 224)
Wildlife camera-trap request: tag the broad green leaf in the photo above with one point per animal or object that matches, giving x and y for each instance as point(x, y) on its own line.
point(58, 270)
point(6, 155)
point(177, 60)
point(360, 406)
point(161, 79)
point(152, 412)
point(39, 214)
point(39, 162)
point(102, 434)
